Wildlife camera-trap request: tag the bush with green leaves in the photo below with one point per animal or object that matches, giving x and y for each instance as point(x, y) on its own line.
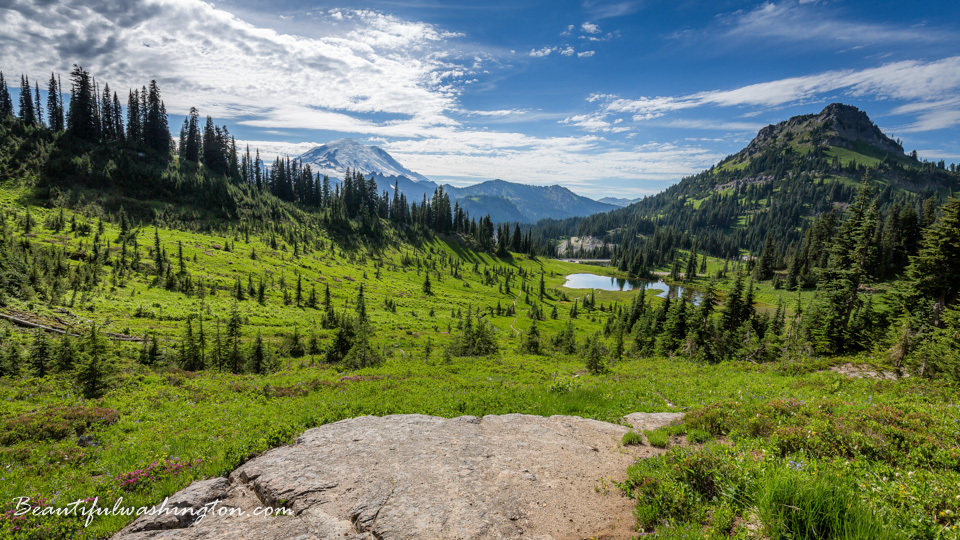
point(632, 438)
point(659, 438)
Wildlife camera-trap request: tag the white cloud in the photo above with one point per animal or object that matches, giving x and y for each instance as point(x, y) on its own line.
point(500, 113)
point(807, 23)
point(603, 9)
point(539, 53)
point(567, 51)
point(202, 56)
point(930, 86)
point(586, 54)
point(575, 162)
point(590, 28)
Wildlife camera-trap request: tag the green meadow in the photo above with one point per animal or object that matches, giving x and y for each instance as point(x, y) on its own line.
point(882, 453)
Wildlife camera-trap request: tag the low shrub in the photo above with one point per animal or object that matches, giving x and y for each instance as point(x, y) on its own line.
point(658, 438)
point(54, 423)
point(632, 438)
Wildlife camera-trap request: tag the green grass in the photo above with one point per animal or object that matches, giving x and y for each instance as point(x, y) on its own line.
point(659, 439)
point(166, 427)
point(883, 466)
point(632, 438)
point(222, 419)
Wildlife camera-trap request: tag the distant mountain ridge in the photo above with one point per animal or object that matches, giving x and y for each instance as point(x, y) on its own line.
point(504, 201)
point(619, 201)
point(534, 202)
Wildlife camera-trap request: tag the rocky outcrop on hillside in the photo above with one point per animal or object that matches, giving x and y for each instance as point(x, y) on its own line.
point(415, 476)
point(836, 125)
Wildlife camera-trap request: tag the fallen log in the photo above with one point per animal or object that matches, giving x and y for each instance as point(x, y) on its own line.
point(30, 324)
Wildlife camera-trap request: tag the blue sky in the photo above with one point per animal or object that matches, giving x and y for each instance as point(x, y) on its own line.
point(619, 98)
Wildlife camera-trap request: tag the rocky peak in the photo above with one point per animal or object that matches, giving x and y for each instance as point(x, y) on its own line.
point(852, 124)
point(836, 125)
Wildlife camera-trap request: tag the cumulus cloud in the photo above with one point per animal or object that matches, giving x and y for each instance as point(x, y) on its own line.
point(590, 28)
point(205, 57)
point(540, 53)
point(586, 54)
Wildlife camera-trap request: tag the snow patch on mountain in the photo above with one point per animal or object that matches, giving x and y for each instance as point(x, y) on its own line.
point(333, 159)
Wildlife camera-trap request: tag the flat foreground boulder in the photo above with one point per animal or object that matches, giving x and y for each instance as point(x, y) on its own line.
point(416, 476)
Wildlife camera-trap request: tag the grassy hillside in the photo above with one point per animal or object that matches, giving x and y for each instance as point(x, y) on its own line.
point(789, 174)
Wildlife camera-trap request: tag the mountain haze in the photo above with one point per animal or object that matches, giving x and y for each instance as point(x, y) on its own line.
point(534, 202)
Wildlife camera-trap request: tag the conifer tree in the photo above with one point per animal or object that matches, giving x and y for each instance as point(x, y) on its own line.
point(531, 340)
point(935, 272)
point(566, 341)
point(189, 349)
point(594, 352)
point(27, 113)
point(258, 361)
point(40, 353)
point(38, 110)
point(362, 354)
point(134, 126)
point(837, 290)
point(234, 328)
point(10, 359)
point(81, 118)
point(150, 352)
point(361, 307)
point(192, 139)
point(675, 268)
point(117, 119)
point(6, 103)
point(92, 371)
point(691, 271)
point(300, 290)
point(156, 132)
point(64, 356)
point(55, 104)
point(312, 300)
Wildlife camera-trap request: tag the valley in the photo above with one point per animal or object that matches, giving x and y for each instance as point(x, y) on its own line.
point(169, 316)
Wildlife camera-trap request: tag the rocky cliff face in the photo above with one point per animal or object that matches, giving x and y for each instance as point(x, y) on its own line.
point(836, 125)
point(414, 476)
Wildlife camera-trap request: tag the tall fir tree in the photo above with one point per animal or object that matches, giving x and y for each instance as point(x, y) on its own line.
point(156, 131)
point(81, 118)
point(37, 109)
point(54, 104)
point(27, 114)
point(134, 127)
point(6, 104)
point(935, 271)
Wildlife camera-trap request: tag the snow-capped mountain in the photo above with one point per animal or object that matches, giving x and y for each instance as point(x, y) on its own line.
point(333, 159)
point(502, 201)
